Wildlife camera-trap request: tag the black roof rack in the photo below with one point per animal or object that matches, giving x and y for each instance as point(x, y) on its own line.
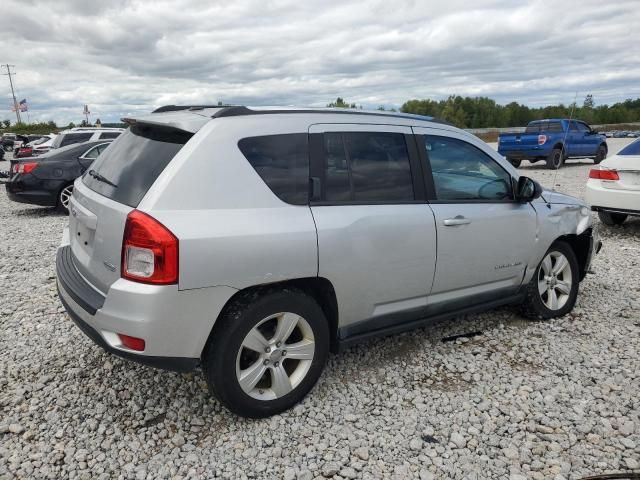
point(240, 110)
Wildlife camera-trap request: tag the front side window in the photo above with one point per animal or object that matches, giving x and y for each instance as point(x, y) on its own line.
point(282, 161)
point(462, 172)
point(366, 167)
point(582, 127)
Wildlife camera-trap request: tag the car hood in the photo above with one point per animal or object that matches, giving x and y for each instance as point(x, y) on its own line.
point(549, 196)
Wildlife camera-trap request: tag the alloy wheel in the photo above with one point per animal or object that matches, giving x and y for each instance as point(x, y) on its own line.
point(65, 196)
point(555, 280)
point(275, 356)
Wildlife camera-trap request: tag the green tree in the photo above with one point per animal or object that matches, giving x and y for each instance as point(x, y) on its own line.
point(588, 102)
point(340, 103)
point(6, 123)
point(71, 125)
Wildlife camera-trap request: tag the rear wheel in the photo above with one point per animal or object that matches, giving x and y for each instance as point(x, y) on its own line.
point(515, 162)
point(555, 160)
point(63, 198)
point(266, 352)
point(553, 290)
point(611, 219)
point(601, 154)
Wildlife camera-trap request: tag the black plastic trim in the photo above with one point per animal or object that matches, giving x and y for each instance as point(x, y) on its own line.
point(174, 364)
point(416, 318)
point(595, 208)
point(73, 283)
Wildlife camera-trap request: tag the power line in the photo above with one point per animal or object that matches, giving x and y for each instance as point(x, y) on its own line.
point(13, 93)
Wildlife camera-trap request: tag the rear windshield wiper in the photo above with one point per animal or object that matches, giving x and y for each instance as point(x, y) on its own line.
point(102, 179)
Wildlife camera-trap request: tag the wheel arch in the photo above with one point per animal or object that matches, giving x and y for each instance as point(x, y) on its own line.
point(318, 288)
point(581, 246)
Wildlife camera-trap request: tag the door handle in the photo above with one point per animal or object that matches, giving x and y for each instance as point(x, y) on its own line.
point(457, 220)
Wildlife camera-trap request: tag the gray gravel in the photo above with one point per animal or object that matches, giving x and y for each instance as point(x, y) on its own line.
point(556, 399)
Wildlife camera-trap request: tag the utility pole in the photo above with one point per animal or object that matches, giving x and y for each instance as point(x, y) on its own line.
point(13, 93)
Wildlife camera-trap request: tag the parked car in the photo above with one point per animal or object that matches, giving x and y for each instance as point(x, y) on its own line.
point(84, 134)
point(253, 241)
point(48, 179)
point(613, 189)
point(22, 141)
point(43, 145)
point(553, 141)
point(7, 141)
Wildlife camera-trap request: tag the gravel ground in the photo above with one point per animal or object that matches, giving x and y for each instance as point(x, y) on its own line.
point(556, 399)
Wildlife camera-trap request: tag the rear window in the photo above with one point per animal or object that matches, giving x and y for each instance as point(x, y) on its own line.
point(127, 169)
point(282, 161)
point(543, 127)
point(71, 138)
point(104, 135)
point(631, 149)
point(535, 127)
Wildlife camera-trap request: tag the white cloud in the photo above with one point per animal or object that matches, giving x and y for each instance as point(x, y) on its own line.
point(122, 57)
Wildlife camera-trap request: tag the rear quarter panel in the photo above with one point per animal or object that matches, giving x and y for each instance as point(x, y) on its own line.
point(233, 230)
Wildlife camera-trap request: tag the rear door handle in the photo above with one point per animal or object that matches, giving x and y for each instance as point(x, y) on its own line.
point(457, 220)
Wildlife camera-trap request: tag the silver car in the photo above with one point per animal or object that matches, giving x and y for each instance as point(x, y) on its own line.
point(255, 241)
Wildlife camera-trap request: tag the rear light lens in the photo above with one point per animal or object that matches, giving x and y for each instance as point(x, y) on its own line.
point(603, 174)
point(27, 167)
point(25, 152)
point(132, 343)
point(149, 251)
point(542, 139)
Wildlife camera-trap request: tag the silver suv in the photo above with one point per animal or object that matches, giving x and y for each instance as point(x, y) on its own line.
point(254, 241)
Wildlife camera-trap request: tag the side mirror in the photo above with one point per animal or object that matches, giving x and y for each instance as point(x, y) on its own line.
point(527, 189)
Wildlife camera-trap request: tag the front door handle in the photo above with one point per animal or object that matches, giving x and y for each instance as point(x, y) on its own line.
point(457, 220)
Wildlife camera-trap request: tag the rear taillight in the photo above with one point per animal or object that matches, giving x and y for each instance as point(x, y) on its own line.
point(542, 139)
point(133, 343)
point(26, 167)
point(603, 174)
point(149, 251)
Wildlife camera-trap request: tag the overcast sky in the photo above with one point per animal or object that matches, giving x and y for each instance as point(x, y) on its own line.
point(123, 57)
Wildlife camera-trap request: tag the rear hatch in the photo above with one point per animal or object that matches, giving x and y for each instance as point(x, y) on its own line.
point(113, 186)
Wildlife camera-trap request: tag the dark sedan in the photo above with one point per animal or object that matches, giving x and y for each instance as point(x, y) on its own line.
point(47, 180)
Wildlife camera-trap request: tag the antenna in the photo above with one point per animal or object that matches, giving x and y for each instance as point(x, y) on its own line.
point(13, 93)
point(564, 140)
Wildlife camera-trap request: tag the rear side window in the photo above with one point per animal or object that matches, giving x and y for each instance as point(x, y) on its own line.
point(109, 135)
point(364, 167)
point(71, 138)
point(282, 161)
point(536, 127)
point(555, 127)
point(132, 163)
point(631, 149)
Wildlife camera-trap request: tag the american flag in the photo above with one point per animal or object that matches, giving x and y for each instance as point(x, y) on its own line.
point(22, 106)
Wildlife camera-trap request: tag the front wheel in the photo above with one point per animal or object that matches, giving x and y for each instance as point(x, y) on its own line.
point(553, 290)
point(611, 219)
point(64, 197)
point(266, 353)
point(601, 154)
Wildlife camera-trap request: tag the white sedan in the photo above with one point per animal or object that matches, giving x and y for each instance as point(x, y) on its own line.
point(613, 188)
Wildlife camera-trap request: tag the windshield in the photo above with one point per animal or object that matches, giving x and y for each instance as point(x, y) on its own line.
point(133, 162)
point(631, 149)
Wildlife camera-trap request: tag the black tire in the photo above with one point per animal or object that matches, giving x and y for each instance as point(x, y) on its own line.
point(601, 154)
point(238, 319)
point(555, 160)
point(611, 219)
point(60, 205)
point(534, 306)
point(515, 162)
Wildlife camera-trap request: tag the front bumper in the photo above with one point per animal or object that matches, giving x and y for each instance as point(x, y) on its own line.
point(174, 324)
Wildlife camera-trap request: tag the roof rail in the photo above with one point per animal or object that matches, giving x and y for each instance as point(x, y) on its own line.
point(177, 108)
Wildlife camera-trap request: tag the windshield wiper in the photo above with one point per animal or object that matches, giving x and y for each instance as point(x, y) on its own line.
point(102, 179)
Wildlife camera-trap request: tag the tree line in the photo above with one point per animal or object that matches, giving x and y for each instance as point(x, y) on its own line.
point(483, 112)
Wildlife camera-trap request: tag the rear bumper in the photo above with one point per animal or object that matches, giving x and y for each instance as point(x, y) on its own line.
point(610, 200)
point(42, 198)
point(174, 324)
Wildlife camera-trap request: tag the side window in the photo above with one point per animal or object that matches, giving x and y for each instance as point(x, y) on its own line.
point(109, 135)
point(463, 172)
point(555, 127)
point(367, 167)
point(582, 127)
point(573, 127)
point(71, 138)
point(282, 161)
point(92, 153)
